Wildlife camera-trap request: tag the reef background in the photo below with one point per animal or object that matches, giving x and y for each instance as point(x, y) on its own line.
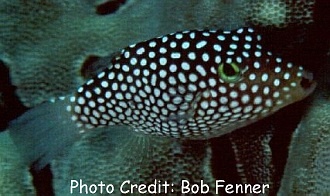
point(47, 49)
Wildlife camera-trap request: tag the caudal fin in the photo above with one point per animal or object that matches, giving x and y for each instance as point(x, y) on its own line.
point(43, 132)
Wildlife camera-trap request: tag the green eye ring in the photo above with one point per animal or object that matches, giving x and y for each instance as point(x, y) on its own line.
point(229, 72)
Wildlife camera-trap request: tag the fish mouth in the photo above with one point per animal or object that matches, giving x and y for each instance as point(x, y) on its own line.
point(307, 82)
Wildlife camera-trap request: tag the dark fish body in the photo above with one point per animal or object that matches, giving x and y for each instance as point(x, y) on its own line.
point(186, 85)
point(173, 86)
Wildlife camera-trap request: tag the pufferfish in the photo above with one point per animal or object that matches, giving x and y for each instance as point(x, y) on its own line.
point(196, 84)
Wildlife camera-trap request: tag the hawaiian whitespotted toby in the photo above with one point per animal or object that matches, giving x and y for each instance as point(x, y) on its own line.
point(188, 85)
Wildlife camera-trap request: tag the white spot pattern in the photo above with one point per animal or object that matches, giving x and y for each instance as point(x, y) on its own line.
point(174, 87)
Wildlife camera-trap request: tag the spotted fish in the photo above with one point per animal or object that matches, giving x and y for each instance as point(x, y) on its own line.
point(187, 85)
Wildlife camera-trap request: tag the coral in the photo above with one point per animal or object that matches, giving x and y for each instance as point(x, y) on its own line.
point(15, 178)
point(308, 168)
point(278, 13)
point(255, 146)
point(118, 154)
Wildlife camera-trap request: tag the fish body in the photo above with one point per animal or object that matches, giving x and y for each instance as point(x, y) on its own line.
point(190, 84)
point(187, 85)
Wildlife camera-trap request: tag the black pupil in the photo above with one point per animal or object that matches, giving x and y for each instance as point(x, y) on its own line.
point(229, 70)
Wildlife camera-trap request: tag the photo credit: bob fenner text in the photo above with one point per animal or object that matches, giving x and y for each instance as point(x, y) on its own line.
point(164, 187)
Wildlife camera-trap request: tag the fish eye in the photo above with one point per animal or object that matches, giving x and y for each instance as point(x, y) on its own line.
point(229, 72)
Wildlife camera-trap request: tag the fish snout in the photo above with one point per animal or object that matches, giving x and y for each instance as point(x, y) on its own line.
point(307, 82)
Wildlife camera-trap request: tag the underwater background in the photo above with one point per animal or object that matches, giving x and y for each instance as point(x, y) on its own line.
point(48, 48)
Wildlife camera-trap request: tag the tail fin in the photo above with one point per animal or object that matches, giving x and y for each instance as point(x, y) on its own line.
point(43, 132)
